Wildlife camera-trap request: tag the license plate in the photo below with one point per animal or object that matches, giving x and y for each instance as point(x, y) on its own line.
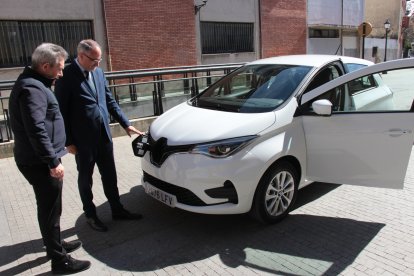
point(160, 195)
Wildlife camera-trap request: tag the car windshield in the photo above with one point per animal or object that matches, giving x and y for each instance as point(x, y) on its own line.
point(253, 88)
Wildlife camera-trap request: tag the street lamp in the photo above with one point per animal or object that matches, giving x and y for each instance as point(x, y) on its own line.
point(387, 26)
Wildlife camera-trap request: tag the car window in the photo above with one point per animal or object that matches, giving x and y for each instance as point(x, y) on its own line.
point(389, 91)
point(353, 66)
point(362, 84)
point(327, 74)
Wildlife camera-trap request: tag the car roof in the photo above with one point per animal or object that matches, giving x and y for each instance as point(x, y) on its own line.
point(310, 60)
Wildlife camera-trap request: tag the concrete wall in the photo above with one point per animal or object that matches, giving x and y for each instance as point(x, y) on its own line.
point(392, 48)
point(325, 46)
point(6, 149)
point(246, 11)
point(342, 15)
point(350, 46)
point(332, 46)
point(335, 12)
point(378, 14)
point(54, 10)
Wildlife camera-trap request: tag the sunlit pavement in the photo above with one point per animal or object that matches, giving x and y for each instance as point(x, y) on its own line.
point(334, 230)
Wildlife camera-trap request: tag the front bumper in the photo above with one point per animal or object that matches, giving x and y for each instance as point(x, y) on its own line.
point(206, 185)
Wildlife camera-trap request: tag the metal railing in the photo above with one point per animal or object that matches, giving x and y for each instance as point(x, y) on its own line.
point(141, 93)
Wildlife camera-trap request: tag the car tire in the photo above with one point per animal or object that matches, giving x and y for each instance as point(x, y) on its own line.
point(276, 193)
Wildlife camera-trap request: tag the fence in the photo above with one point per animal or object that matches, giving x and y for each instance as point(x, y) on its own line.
point(141, 93)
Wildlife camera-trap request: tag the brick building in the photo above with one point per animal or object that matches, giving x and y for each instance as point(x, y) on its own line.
point(143, 34)
point(148, 34)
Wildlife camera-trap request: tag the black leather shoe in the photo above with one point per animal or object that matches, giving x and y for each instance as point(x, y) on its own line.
point(96, 224)
point(71, 246)
point(125, 215)
point(69, 265)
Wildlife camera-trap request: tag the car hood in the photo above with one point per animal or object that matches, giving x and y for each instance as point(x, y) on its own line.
point(185, 124)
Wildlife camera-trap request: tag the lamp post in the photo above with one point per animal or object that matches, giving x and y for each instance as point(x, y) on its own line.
point(387, 26)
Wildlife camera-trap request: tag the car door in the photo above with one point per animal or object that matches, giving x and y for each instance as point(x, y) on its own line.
point(367, 146)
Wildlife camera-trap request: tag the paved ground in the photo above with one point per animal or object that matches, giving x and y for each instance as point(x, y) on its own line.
point(334, 230)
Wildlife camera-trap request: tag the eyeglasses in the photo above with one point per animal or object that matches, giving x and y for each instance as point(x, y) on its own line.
point(92, 59)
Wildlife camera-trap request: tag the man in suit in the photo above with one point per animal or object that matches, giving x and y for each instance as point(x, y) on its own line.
point(39, 143)
point(86, 102)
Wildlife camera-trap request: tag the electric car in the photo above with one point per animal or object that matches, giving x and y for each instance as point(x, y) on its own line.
point(249, 141)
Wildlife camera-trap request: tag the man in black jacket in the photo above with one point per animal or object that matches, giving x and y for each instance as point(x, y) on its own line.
point(39, 143)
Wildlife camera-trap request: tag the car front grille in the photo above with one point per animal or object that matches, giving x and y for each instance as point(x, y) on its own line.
point(183, 195)
point(160, 150)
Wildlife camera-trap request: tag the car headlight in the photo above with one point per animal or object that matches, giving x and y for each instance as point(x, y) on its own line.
point(222, 148)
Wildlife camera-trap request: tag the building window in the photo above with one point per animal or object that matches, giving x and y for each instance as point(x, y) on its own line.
point(323, 33)
point(221, 37)
point(18, 39)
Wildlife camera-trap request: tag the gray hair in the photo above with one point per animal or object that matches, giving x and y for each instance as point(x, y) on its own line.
point(48, 53)
point(85, 46)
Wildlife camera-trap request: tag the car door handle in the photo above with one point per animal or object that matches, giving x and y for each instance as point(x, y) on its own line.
point(398, 132)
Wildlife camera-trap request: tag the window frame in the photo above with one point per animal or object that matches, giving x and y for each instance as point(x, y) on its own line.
point(226, 37)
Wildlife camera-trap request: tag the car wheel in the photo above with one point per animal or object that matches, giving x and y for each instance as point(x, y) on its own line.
point(276, 193)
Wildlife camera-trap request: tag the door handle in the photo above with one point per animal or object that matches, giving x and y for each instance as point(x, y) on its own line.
point(398, 132)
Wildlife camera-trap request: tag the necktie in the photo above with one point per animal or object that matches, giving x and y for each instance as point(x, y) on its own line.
point(89, 79)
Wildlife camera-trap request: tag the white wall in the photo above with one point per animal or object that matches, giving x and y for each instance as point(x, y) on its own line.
point(392, 48)
point(350, 44)
point(325, 46)
point(245, 11)
point(229, 10)
point(48, 9)
point(330, 12)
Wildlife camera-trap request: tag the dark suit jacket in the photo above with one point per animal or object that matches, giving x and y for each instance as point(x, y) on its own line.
point(86, 113)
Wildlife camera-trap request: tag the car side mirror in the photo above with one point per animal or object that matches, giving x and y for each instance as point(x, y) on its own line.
point(322, 107)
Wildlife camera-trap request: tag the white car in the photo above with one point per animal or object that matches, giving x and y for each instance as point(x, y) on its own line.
point(249, 141)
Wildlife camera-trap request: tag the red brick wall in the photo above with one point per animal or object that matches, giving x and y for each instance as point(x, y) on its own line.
point(150, 33)
point(283, 27)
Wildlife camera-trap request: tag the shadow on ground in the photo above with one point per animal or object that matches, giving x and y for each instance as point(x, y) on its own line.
point(11, 253)
point(300, 244)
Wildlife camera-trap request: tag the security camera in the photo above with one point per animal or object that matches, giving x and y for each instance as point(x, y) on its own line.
point(198, 7)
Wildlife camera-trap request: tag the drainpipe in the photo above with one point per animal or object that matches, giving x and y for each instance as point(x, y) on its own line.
point(342, 28)
point(260, 29)
point(109, 62)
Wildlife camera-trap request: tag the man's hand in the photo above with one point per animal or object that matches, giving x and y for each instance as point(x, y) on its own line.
point(58, 172)
point(72, 149)
point(131, 130)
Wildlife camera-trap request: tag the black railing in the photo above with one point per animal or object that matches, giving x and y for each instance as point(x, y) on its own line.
point(141, 93)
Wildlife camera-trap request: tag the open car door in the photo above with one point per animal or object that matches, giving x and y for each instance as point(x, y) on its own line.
point(359, 128)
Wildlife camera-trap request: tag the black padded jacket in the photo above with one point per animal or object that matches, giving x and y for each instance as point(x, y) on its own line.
point(36, 121)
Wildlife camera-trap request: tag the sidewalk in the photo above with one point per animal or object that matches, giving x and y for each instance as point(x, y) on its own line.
point(334, 230)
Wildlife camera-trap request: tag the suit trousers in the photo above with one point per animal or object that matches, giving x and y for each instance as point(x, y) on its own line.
point(48, 192)
point(101, 154)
